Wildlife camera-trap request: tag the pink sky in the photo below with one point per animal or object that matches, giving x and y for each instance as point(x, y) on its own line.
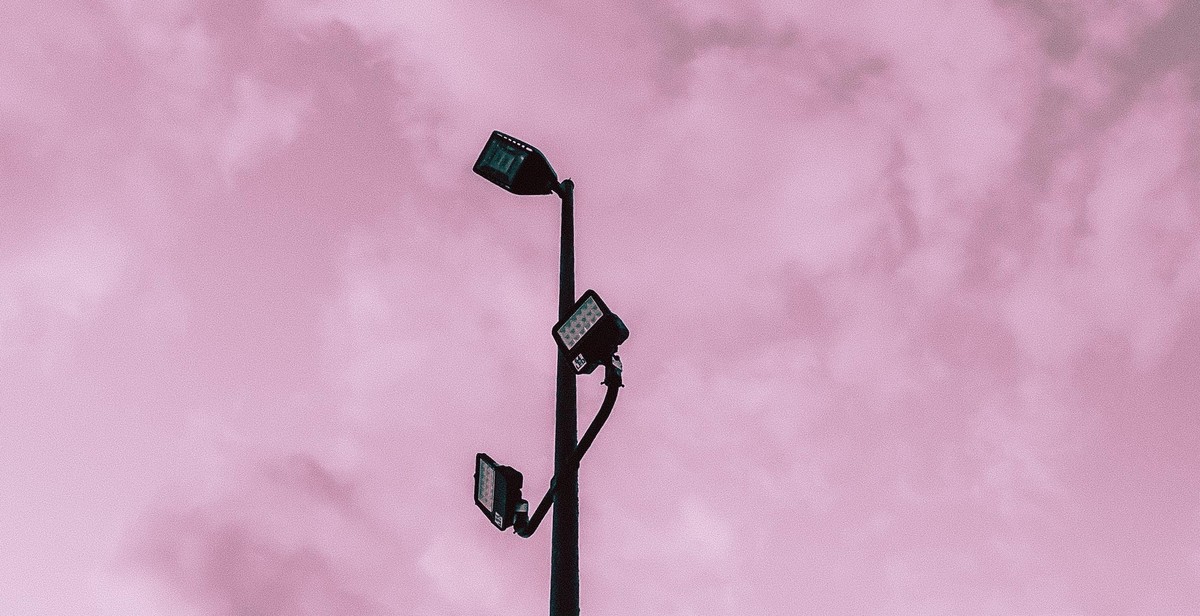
point(914, 293)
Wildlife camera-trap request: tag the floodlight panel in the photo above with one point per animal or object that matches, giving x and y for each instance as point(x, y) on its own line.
point(578, 324)
point(485, 484)
point(591, 334)
point(515, 166)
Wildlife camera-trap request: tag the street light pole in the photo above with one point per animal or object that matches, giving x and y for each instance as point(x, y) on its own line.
point(587, 335)
point(564, 546)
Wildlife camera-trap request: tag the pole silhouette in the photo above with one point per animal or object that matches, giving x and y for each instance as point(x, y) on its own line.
point(564, 546)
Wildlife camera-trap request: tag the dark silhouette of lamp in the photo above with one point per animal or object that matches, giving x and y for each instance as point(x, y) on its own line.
point(516, 166)
point(590, 336)
point(497, 491)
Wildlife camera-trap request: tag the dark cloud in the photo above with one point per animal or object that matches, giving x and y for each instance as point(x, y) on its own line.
point(288, 537)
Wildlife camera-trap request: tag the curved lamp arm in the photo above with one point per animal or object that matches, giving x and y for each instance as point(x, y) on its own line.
point(612, 378)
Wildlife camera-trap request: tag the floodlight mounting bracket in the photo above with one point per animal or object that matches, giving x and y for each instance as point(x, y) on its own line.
point(524, 525)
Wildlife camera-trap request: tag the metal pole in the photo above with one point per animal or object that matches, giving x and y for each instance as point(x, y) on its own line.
point(564, 544)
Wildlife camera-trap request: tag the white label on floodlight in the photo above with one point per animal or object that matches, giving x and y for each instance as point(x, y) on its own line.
point(579, 323)
point(485, 487)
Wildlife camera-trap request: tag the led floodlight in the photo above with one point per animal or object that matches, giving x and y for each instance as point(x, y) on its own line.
point(591, 334)
point(497, 490)
point(515, 166)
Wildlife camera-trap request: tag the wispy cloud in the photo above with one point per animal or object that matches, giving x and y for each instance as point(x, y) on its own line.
point(912, 292)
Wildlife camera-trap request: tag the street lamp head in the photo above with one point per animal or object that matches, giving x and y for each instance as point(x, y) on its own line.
point(515, 166)
point(590, 336)
point(497, 491)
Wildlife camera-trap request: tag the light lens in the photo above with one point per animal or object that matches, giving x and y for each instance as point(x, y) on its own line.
point(580, 322)
point(503, 159)
point(485, 485)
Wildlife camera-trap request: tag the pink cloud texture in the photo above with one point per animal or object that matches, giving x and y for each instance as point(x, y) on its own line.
point(914, 293)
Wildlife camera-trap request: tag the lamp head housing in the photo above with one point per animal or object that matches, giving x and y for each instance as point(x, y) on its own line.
point(591, 334)
point(515, 166)
point(497, 491)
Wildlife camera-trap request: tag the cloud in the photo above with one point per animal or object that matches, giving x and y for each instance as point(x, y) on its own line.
point(53, 289)
point(462, 575)
point(911, 292)
point(262, 123)
point(291, 538)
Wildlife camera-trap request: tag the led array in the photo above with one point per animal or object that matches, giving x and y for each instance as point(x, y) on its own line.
point(485, 486)
point(579, 323)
